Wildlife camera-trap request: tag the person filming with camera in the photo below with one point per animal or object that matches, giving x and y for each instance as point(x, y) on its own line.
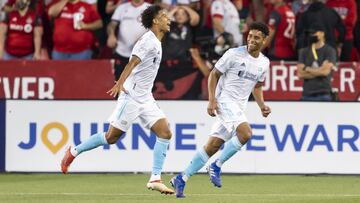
point(211, 53)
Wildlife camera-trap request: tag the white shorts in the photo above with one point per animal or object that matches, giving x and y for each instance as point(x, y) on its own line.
point(127, 110)
point(230, 116)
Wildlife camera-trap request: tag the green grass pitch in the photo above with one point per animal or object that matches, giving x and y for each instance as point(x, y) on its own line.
point(131, 188)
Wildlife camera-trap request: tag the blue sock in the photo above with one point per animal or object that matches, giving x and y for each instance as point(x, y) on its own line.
point(231, 147)
point(198, 161)
point(91, 143)
point(160, 150)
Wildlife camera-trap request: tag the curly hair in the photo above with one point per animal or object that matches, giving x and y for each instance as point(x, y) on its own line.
point(148, 15)
point(261, 27)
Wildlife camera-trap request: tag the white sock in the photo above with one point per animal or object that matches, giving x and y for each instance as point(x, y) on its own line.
point(218, 163)
point(155, 177)
point(185, 178)
point(73, 151)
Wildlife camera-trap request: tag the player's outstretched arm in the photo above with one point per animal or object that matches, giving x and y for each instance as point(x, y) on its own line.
point(118, 87)
point(213, 80)
point(259, 98)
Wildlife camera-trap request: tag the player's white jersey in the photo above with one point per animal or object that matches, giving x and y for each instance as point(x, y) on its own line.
point(241, 72)
point(130, 27)
point(140, 81)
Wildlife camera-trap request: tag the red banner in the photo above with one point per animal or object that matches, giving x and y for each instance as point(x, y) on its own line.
point(55, 79)
point(282, 82)
point(91, 79)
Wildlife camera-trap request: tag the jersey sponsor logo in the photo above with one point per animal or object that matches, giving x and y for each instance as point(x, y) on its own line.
point(16, 27)
point(248, 75)
point(66, 15)
point(133, 18)
point(241, 73)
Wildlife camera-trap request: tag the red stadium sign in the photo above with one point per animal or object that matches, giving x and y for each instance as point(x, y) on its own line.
point(282, 82)
point(55, 79)
point(91, 79)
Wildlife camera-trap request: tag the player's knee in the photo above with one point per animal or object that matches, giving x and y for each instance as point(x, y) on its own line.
point(166, 134)
point(211, 148)
point(112, 138)
point(244, 136)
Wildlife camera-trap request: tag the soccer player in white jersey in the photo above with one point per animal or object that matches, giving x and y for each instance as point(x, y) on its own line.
point(238, 72)
point(135, 98)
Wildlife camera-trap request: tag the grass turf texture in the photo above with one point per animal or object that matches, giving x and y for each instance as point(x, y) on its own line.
point(131, 188)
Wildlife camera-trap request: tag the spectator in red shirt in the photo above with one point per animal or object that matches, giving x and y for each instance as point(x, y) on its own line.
point(20, 33)
point(282, 32)
point(347, 11)
point(74, 22)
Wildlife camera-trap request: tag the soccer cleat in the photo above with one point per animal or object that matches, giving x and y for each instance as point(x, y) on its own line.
point(214, 173)
point(178, 184)
point(160, 187)
point(66, 161)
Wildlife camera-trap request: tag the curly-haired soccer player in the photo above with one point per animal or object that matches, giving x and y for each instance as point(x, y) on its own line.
point(135, 98)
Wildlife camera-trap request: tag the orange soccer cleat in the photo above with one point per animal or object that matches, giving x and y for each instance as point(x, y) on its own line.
point(66, 161)
point(160, 187)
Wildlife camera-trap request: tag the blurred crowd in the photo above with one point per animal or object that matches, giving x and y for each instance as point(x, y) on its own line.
point(201, 31)
point(85, 29)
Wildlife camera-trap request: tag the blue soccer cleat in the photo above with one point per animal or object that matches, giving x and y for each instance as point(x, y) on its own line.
point(214, 172)
point(178, 184)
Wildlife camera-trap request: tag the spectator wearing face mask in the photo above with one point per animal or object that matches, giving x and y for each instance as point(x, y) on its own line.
point(315, 65)
point(319, 13)
point(20, 33)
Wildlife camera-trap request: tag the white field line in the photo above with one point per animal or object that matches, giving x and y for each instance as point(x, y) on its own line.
point(202, 194)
